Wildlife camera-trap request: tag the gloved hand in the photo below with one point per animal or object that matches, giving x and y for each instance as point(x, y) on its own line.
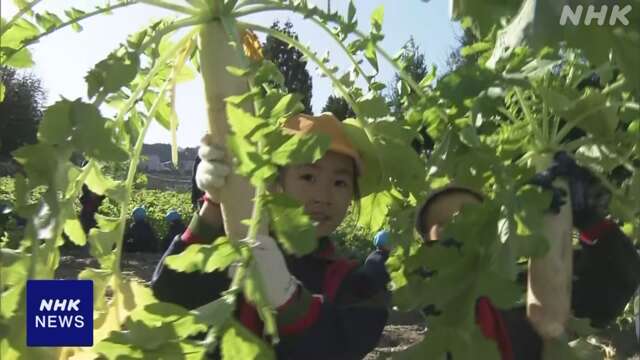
point(279, 284)
point(589, 198)
point(213, 169)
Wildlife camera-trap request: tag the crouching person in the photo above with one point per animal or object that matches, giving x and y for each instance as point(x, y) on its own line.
point(328, 307)
point(140, 236)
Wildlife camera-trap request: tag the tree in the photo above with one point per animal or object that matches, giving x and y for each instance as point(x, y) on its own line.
point(456, 59)
point(339, 107)
point(291, 64)
point(414, 64)
point(21, 109)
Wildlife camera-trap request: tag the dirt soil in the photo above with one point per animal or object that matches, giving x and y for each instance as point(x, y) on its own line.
point(403, 331)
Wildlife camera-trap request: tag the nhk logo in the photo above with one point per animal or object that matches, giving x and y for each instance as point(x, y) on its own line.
point(59, 313)
point(616, 14)
point(63, 321)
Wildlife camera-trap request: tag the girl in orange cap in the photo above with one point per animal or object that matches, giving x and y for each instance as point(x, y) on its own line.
point(327, 307)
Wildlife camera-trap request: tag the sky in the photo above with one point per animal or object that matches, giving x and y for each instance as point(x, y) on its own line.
point(63, 58)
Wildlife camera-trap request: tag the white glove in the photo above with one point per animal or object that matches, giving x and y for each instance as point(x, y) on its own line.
point(279, 284)
point(213, 169)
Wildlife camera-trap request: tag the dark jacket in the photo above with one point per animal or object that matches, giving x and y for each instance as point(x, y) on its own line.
point(175, 228)
point(338, 313)
point(140, 237)
point(606, 273)
point(90, 202)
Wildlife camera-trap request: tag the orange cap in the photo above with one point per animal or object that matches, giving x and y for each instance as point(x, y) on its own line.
point(327, 124)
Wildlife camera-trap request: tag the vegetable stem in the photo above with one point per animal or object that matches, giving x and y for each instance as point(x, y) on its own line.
point(67, 23)
point(344, 48)
point(170, 6)
point(192, 20)
point(309, 54)
point(156, 68)
point(274, 6)
point(18, 15)
point(135, 155)
point(573, 123)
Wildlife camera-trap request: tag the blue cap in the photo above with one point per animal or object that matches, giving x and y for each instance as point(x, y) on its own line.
point(172, 215)
point(139, 214)
point(381, 239)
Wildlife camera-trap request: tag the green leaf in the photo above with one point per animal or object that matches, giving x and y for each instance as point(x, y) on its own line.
point(15, 266)
point(94, 135)
point(204, 258)
point(103, 240)
point(475, 48)
point(376, 19)
point(291, 224)
point(372, 105)
point(595, 114)
point(19, 60)
point(48, 20)
point(287, 106)
point(351, 12)
point(374, 209)
point(73, 229)
point(240, 99)
point(112, 73)
point(216, 313)
point(19, 32)
point(2, 91)
point(399, 162)
point(596, 41)
point(21, 4)
point(148, 329)
point(301, 149)
point(472, 344)
point(268, 71)
point(103, 185)
point(74, 13)
point(499, 288)
point(485, 15)
point(465, 82)
point(55, 127)
point(469, 137)
point(100, 280)
point(163, 109)
point(240, 343)
point(44, 164)
point(242, 122)
point(12, 298)
point(236, 71)
point(370, 54)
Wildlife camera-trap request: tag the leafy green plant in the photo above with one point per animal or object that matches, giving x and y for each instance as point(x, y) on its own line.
point(493, 121)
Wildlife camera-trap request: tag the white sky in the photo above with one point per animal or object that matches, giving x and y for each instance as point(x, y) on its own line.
point(63, 58)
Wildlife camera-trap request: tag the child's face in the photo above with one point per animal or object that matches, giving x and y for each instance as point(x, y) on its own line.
point(441, 210)
point(325, 188)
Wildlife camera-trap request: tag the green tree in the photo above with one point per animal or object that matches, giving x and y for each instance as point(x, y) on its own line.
point(456, 57)
point(20, 110)
point(291, 63)
point(414, 64)
point(339, 107)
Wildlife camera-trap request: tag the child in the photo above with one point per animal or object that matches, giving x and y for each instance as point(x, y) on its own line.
point(90, 202)
point(140, 236)
point(606, 267)
point(327, 307)
point(176, 227)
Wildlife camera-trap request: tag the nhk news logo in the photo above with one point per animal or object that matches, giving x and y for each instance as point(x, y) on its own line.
point(59, 313)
